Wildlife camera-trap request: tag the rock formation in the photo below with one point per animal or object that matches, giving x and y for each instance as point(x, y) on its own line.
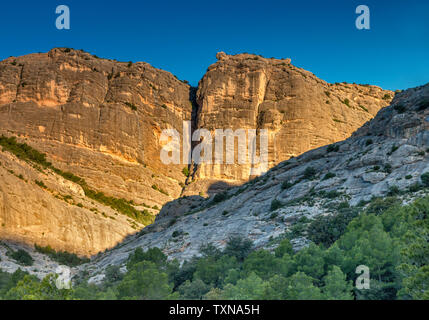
point(386, 156)
point(300, 111)
point(101, 120)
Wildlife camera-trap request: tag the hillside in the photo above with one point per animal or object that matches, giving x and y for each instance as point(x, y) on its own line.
point(387, 157)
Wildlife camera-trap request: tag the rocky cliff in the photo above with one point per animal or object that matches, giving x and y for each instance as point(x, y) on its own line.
point(387, 156)
point(97, 118)
point(101, 121)
point(300, 111)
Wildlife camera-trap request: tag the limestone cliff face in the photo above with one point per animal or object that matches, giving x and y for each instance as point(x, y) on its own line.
point(57, 214)
point(300, 111)
point(99, 119)
point(102, 120)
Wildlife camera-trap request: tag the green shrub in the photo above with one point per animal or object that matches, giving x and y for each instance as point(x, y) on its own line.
point(21, 256)
point(333, 148)
point(219, 197)
point(275, 204)
point(332, 194)
point(309, 173)
point(41, 184)
point(368, 142)
point(414, 187)
point(286, 185)
point(23, 151)
point(62, 257)
point(274, 215)
point(186, 171)
point(326, 230)
point(329, 175)
point(425, 179)
point(175, 234)
point(346, 102)
point(387, 168)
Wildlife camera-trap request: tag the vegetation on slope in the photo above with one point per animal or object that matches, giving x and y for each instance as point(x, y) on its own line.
point(392, 240)
point(25, 152)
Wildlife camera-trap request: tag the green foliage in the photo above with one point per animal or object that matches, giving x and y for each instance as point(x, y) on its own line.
point(390, 238)
point(219, 197)
point(41, 184)
point(186, 171)
point(333, 148)
point(286, 185)
point(145, 281)
point(425, 179)
point(30, 288)
point(275, 204)
point(368, 142)
point(155, 187)
point(21, 256)
point(27, 153)
point(238, 247)
point(309, 173)
point(121, 205)
point(62, 257)
point(336, 285)
point(346, 102)
point(329, 175)
point(23, 151)
point(326, 230)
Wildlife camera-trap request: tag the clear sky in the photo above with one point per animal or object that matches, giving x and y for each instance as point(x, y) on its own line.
point(183, 36)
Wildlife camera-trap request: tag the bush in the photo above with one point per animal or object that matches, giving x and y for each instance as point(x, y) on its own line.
point(329, 175)
point(21, 256)
point(41, 184)
point(219, 197)
point(328, 229)
point(23, 151)
point(368, 142)
point(238, 247)
point(425, 179)
point(347, 102)
point(309, 173)
point(286, 185)
point(186, 171)
point(62, 257)
point(275, 204)
point(332, 194)
point(175, 234)
point(333, 148)
point(414, 187)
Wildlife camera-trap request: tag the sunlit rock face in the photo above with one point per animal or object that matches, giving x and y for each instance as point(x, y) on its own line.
point(299, 111)
point(102, 120)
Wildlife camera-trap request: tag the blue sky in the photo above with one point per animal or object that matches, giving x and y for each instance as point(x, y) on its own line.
point(183, 36)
